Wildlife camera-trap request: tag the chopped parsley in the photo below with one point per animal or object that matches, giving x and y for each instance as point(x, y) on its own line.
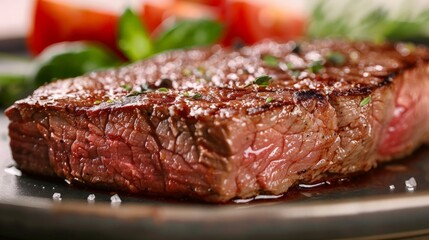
point(110, 101)
point(268, 100)
point(365, 101)
point(270, 60)
point(263, 81)
point(295, 73)
point(316, 67)
point(201, 70)
point(197, 96)
point(98, 102)
point(127, 87)
point(134, 93)
point(186, 72)
point(163, 89)
point(336, 58)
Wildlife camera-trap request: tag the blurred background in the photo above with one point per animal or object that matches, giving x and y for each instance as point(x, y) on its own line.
point(44, 40)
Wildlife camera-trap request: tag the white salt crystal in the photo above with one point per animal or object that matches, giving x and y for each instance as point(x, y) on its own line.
point(91, 198)
point(13, 171)
point(411, 184)
point(57, 196)
point(115, 199)
point(392, 187)
point(67, 181)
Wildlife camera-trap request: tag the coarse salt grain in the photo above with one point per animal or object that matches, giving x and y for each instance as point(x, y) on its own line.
point(91, 198)
point(57, 196)
point(13, 171)
point(392, 187)
point(410, 184)
point(115, 199)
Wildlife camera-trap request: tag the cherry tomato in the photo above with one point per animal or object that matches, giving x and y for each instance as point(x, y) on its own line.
point(252, 21)
point(57, 21)
point(158, 14)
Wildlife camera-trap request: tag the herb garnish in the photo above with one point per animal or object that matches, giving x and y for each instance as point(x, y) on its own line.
point(163, 89)
point(201, 70)
point(134, 93)
point(365, 101)
point(127, 87)
point(186, 72)
point(133, 37)
point(98, 102)
point(295, 73)
point(110, 101)
point(336, 58)
point(268, 100)
point(263, 81)
point(197, 96)
point(316, 66)
point(377, 24)
point(270, 60)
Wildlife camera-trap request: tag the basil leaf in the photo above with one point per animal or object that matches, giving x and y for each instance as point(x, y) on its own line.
point(189, 33)
point(65, 60)
point(134, 40)
point(13, 87)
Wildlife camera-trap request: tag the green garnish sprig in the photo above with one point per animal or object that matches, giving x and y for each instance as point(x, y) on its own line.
point(316, 66)
point(336, 58)
point(263, 81)
point(365, 101)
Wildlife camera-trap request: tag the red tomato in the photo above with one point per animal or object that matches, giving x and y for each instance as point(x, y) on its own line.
point(214, 3)
point(155, 13)
point(251, 22)
point(56, 21)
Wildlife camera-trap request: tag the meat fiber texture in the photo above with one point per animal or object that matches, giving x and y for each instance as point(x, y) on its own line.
point(201, 124)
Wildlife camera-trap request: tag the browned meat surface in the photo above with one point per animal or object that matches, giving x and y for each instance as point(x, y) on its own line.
point(195, 124)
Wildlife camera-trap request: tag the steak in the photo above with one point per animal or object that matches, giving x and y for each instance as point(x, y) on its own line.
point(216, 124)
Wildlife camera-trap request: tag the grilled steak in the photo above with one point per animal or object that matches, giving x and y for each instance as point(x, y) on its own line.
point(216, 124)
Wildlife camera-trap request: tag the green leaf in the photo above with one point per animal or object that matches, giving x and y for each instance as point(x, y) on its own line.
point(263, 81)
point(316, 66)
point(13, 87)
point(268, 100)
point(163, 89)
point(65, 60)
point(365, 101)
point(127, 87)
point(189, 33)
point(336, 58)
point(197, 96)
point(377, 23)
point(270, 60)
point(134, 40)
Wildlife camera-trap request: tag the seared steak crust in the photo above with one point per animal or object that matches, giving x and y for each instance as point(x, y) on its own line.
point(198, 124)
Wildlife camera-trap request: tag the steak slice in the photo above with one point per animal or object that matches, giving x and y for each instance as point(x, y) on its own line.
point(210, 124)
